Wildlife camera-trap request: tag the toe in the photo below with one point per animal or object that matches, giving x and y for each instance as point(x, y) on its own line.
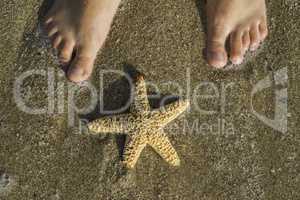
point(215, 53)
point(254, 37)
point(51, 29)
point(82, 66)
point(236, 48)
point(56, 41)
point(246, 41)
point(48, 20)
point(81, 69)
point(263, 30)
point(66, 51)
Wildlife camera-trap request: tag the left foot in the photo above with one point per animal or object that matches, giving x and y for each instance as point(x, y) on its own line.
point(79, 27)
point(242, 22)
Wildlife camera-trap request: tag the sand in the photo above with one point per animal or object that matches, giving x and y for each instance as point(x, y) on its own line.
point(229, 154)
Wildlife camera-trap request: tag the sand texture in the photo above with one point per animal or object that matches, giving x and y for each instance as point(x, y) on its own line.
point(228, 148)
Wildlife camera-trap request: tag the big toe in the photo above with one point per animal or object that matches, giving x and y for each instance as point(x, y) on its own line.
point(81, 68)
point(215, 51)
point(216, 54)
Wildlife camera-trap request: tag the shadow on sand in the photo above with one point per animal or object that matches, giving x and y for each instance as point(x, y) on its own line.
point(118, 95)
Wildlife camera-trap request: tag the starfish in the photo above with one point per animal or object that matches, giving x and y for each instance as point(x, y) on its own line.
point(143, 126)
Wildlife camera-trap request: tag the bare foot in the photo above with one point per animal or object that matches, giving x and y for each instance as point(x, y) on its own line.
point(242, 22)
point(80, 28)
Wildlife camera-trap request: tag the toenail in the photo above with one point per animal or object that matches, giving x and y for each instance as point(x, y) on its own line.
point(47, 21)
point(216, 59)
point(217, 56)
point(63, 58)
point(237, 60)
point(253, 47)
point(78, 72)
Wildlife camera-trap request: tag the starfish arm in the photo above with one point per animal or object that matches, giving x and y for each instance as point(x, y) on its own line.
point(168, 113)
point(111, 124)
point(134, 146)
point(140, 100)
point(161, 144)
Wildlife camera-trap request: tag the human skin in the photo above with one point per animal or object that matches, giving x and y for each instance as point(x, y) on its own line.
point(80, 28)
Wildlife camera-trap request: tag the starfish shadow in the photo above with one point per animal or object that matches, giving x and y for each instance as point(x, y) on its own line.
point(121, 89)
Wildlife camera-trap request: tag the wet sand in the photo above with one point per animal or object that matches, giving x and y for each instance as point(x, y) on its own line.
point(229, 153)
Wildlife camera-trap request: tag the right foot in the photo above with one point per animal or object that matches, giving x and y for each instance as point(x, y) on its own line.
point(242, 22)
point(79, 27)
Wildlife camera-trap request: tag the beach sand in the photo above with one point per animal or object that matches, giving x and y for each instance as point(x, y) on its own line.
point(49, 156)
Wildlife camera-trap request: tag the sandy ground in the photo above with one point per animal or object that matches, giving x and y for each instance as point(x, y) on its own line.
point(42, 156)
